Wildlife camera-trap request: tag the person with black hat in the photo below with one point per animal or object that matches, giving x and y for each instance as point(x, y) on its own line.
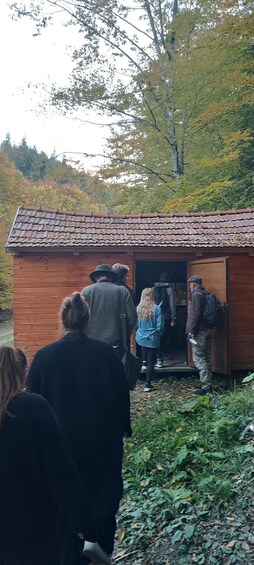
point(199, 334)
point(109, 303)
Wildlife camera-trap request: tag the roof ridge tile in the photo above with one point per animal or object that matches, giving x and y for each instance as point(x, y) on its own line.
point(138, 215)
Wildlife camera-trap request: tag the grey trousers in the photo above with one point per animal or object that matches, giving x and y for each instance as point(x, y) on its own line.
point(202, 356)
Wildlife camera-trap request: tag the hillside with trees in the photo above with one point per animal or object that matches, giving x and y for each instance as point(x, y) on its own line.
point(30, 178)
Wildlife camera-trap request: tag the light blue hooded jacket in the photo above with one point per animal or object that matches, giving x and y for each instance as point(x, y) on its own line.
point(149, 332)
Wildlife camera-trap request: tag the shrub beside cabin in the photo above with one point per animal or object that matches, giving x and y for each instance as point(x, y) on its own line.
point(54, 252)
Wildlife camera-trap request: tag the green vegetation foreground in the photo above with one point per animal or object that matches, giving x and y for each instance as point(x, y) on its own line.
point(188, 479)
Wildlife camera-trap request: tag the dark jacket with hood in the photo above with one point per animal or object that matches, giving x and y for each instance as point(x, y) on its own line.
point(170, 312)
point(131, 291)
point(196, 308)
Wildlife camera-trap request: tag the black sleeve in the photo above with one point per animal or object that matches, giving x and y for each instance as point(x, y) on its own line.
point(121, 388)
point(130, 309)
point(33, 381)
point(64, 481)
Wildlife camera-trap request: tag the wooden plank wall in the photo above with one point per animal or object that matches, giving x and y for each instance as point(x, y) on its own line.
point(41, 281)
point(241, 310)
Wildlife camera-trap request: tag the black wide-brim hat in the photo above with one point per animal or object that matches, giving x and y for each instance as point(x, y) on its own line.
point(103, 270)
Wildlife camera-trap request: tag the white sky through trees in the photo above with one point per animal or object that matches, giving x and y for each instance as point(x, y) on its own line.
point(40, 61)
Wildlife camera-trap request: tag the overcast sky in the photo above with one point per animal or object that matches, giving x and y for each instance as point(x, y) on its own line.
point(40, 60)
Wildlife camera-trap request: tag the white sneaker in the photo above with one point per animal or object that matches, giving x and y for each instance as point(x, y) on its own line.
point(159, 364)
point(148, 388)
point(94, 552)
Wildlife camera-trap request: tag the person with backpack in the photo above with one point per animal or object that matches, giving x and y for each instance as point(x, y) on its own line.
point(148, 333)
point(201, 319)
point(164, 297)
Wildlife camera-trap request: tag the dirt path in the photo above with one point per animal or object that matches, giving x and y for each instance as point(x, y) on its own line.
point(178, 386)
point(6, 333)
point(165, 390)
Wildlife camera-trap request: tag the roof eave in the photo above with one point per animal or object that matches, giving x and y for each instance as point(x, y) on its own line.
point(127, 249)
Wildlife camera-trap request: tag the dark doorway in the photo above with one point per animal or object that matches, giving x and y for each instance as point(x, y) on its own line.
point(147, 273)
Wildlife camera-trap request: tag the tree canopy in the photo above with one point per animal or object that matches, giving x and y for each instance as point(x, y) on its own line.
point(175, 79)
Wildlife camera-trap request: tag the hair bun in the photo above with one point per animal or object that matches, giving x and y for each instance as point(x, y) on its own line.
point(76, 300)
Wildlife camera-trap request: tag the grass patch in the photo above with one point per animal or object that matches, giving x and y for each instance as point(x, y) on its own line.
point(188, 478)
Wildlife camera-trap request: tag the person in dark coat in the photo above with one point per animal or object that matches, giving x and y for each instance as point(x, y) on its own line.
point(37, 476)
point(122, 273)
point(164, 297)
point(199, 334)
point(109, 304)
point(85, 383)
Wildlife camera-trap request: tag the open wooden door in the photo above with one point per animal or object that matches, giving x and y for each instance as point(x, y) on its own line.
point(214, 274)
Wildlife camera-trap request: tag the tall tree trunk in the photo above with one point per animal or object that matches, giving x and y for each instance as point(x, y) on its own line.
point(170, 112)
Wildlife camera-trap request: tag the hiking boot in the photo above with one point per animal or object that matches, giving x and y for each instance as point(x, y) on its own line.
point(148, 388)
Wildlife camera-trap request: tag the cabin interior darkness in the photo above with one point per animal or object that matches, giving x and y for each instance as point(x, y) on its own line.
point(147, 273)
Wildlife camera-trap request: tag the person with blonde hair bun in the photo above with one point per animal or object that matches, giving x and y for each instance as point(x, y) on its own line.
point(37, 477)
point(84, 382)
point(149, 332)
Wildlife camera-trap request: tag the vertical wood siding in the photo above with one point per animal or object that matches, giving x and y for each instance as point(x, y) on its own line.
point(241, 310)
point(41, 281)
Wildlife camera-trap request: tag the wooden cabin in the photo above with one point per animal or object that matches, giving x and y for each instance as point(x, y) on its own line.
point(54, 252)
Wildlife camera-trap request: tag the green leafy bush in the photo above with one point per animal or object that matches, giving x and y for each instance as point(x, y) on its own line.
point(185, 467)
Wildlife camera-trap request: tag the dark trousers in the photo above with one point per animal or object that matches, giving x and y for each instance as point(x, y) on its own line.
point(165, 340)
point(119, 350)
point(72, 546)
point(149, 356)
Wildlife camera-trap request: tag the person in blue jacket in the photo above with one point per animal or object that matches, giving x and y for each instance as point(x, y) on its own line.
point(149, 331)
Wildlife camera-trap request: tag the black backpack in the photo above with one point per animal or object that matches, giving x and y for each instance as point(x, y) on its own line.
point(161, 298)
point(212, 314)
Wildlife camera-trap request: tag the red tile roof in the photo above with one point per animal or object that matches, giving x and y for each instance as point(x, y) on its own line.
point(45, 229)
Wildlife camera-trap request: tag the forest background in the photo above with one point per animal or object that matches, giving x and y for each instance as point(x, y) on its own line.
point(173, 82)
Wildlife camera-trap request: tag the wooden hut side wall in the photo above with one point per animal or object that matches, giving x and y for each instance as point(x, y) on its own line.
point(241, 310)
point(41, 281)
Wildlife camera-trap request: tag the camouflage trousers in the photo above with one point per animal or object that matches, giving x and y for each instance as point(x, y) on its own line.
point(202, 356)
